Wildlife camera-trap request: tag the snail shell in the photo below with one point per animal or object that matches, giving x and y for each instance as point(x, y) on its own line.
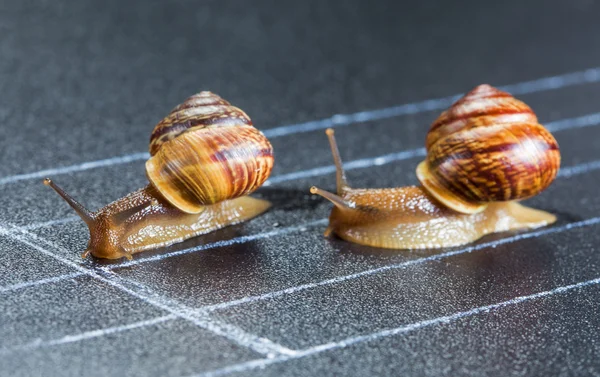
point(487, 147)
point(206, 151)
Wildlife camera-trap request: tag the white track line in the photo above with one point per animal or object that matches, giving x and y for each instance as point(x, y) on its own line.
point(87, 335)
point(251, 341)
point(566, 172)
point(350, 165)
point(578, 122)
point(579, 169)
point(588, 120)
point(547, 83)
point(262, 363)
point(34, 283)
point(76, 168)
point(233, 241)
point(45, 224)
point(340, 279)
point(591, 75)
point(271, 295)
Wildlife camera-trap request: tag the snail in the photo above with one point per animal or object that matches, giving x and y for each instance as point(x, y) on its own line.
point(206, 157)
point(484, 154)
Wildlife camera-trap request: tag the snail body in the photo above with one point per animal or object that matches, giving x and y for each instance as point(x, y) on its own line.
point(206, 157)
point(410, 218)
point(479, 164)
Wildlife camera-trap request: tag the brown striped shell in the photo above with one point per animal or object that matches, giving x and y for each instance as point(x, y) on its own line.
point(487, 147)
point(206, 151)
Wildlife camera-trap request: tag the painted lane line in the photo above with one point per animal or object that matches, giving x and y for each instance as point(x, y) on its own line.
point(233, 241)
point(262, 363)
point(88, 335)
point(588, 120)
point(34, 283)
point(534, 86)
point(251, 341)
point(340, 279)
point(563, 173)
point(587, 76)
point(49, 223)
point(291, 290)
point(76, 168)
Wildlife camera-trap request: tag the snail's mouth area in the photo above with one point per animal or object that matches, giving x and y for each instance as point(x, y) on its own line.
point(104, 242)
point(104, 250)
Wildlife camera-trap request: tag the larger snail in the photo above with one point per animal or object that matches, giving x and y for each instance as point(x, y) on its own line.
point(206, 157)
point(483, 155)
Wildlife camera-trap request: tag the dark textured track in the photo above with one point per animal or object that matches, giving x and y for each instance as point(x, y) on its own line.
point(84, 82)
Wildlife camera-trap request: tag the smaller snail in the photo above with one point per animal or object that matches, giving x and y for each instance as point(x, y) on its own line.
point(483, 154)
point(206, 157)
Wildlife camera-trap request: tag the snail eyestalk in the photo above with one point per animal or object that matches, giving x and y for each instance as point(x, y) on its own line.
point(340, 175)
point(85, 215)
point(335, 199)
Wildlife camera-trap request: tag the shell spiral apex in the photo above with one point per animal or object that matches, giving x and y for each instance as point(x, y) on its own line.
point(206, 151)
point(487, 147)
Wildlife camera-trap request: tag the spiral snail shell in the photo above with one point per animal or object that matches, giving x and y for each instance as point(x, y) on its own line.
point(206, 151)
point(487, 147)
point(483, 154)
point(206, 157)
